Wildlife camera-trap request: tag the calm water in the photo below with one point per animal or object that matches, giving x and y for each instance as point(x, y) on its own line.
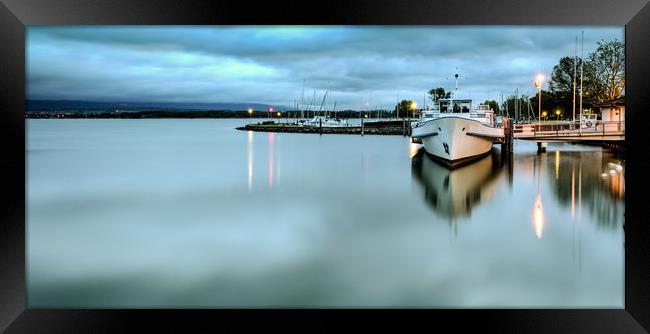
point(192, 213)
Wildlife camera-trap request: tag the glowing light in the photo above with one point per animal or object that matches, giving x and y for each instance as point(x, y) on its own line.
point(413, 149)
point(538, 217)
point(539, 77)
point(413, 105)
point(250, 111)
point(603, 175)
point(279, 114)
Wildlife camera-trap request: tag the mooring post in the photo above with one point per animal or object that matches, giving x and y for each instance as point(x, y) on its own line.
point(320, 126)
point(403, 127)
point(511, 136)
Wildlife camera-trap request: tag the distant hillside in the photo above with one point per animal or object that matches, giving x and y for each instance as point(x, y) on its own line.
point(63, 105)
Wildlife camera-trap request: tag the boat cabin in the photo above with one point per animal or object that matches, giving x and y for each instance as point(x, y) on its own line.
point(454, 105)
point(459, 107)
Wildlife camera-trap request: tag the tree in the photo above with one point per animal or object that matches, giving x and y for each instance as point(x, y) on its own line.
point(436, 94)
point(493, 104)
point(404, 108)
point(550, 103)
point(561, 84)
point(604, 73)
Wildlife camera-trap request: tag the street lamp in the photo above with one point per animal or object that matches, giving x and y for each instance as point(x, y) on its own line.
point(413, 107)
point(250, 114)
point(557, 113)
point(538, 85)
point(544, 113)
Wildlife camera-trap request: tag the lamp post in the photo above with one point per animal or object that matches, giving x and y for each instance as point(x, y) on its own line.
point(250, 115)
point(557, 113)
point(413, 107)
point(538, 85)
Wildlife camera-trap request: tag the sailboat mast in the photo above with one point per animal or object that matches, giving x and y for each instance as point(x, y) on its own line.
point(516, 103)
point(321, 104)
point(302, 100)
point(581, 75)
point(313, 102)
point(575, 65)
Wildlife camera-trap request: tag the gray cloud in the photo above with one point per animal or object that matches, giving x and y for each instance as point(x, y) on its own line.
point(361, 65)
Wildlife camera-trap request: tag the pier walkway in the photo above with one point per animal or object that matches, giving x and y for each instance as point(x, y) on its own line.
point(570, 131)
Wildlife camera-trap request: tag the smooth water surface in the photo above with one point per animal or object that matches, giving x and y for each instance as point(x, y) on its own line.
point(192, 213)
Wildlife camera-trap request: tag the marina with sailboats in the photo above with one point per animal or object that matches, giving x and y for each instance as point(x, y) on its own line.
point(256, 167)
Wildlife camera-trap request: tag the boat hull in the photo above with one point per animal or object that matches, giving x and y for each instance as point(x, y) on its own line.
point(456, 140)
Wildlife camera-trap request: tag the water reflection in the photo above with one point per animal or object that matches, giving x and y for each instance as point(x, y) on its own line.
point(271, 140)
point(538, 210)
point(601, 180)
point(454, 193)
point(250, 160)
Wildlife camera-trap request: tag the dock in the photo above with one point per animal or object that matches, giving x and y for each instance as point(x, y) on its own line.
point(390, 128)
point(609, 134)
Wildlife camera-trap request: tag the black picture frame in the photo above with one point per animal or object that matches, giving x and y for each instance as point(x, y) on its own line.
point(16, 14)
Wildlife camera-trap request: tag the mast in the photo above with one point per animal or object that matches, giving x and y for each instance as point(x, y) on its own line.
point(516, 103)
point(302, 100)
point(322, 102)
point(575, 65)
point(581, 75)
point(313, 101)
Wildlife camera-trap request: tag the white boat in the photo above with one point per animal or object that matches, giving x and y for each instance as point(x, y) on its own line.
point(455, 133)
point(325, 121)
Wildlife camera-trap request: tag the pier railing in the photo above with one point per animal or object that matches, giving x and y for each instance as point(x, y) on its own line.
point(568, 128)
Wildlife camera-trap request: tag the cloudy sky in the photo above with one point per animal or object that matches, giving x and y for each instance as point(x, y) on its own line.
point(370, 66)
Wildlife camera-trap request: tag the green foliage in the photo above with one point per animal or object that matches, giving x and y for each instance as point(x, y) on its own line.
point(605, 72)
point(438, 93)
point(494, 105)
point(404, 108)
point(603, 78)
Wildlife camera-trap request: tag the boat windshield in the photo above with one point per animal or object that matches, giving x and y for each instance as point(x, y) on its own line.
point(455, 106)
